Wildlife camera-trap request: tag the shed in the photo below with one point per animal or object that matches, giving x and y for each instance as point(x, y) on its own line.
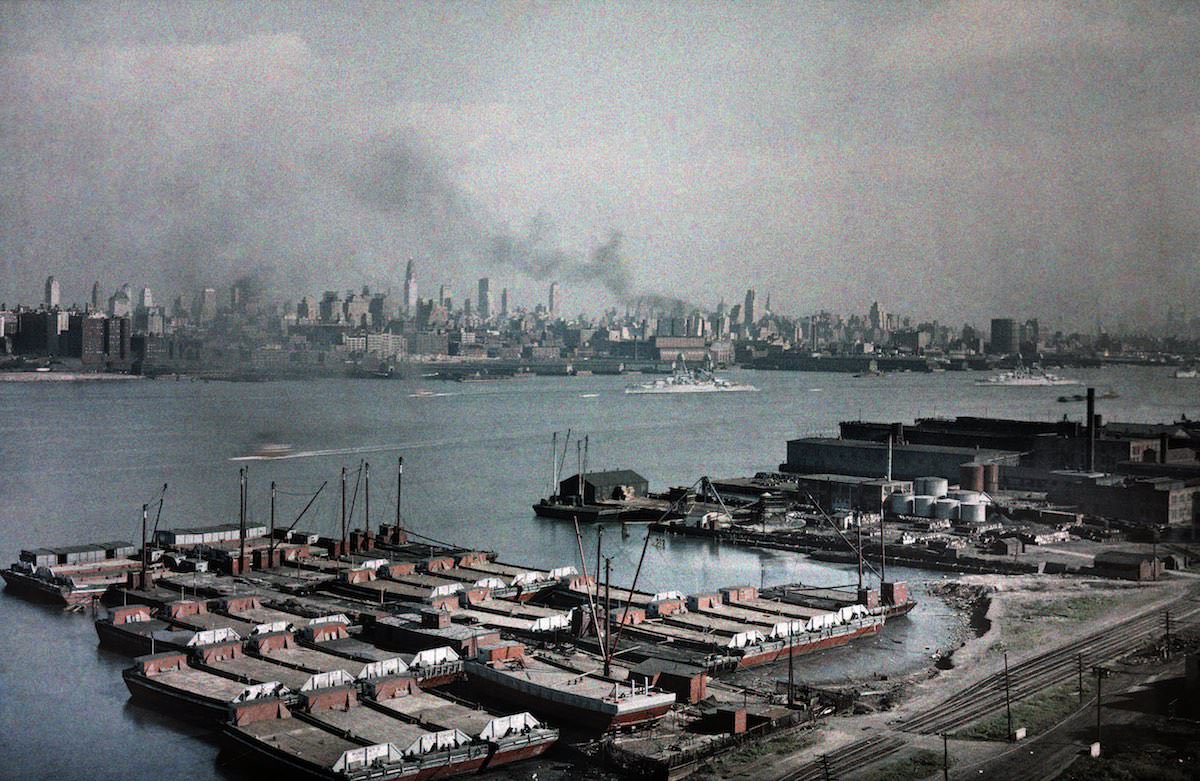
point(598, 486)
point(1128, 565)
point(1007, 546)
point(687, 682)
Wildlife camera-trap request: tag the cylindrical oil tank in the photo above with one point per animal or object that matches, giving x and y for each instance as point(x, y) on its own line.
point(991, 477)
point(931, 486)
point(945, 508)
point(970, 477)
point(964, 496)
point(923, 505)
point(900, 504)
point(972, 512)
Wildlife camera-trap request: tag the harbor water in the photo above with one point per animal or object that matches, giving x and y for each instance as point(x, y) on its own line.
point(80, 459)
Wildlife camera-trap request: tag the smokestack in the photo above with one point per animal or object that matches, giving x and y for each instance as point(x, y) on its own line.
point(1163, 444)
point(1090, 461)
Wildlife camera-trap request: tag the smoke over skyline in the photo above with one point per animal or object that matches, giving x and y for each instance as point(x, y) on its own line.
point(955, 162)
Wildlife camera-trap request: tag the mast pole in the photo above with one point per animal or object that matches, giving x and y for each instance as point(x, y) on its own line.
point(366, 496)
point(145, 518)
point(271, 547)
point(242, 526)
point(343, 541)
point(399, 485)
point(608, 649)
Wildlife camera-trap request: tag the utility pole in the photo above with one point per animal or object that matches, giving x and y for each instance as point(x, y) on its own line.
point(1007, 698)
point(366, 496)
point(1101, 674)
point(1080, 679)
point(945, 757)
point(1168, 618)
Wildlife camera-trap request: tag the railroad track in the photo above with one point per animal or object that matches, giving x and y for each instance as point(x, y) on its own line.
point(1033, 675)
point(847, 759)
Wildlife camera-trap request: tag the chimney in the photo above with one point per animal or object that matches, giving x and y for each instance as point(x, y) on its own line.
point(1090, 461)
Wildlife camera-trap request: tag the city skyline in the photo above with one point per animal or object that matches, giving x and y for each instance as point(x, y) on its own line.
point(1026, 158)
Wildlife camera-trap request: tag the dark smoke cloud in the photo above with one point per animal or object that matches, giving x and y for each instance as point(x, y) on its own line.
point(183, 166)
point(538, 255)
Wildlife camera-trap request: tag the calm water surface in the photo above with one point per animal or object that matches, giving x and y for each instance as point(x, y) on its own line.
point(80, 459)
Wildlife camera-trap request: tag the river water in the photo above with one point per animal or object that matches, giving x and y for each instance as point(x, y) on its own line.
point(79, 459)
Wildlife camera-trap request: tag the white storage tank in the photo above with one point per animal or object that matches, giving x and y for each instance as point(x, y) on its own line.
point(964, 496)
point(946, 508)
point(931, 486)
point(972, 512)
point(900, 504)
point(923, 505)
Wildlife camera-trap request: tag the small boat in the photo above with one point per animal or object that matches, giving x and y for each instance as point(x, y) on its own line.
point(1186, 373)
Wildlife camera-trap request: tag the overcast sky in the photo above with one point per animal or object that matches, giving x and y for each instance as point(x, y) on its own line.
point(954, 161)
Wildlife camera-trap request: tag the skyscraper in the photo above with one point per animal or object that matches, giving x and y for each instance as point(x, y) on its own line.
point(410, 290)
point(553, 302)
point(96, 296)
point(504, 302)
point(146, 299)
point(485, 298)
point(749, 316)
point(52, 292)
point(1004, 336)
point(444, 296)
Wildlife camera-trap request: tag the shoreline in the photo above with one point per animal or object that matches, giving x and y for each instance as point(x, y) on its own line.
point(64, 377)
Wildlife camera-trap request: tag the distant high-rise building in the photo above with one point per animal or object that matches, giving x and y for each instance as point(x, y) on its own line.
point(206, 306)
point(1004, 336)
point(553, 303)
point(96, 296)
point(410, 290)
point(748, 313)
point(485, 298)
point(444, 296)
point(119, 304)
point(504, 302)
point(145, 299)
point(878, 317)
point(52, 292)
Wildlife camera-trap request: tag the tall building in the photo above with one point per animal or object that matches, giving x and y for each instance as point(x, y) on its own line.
point(119, 304)
point(52, 292)
point(444, 296)
point(1004, 336)
point(410, 290)
point(553, 303)
point(878, 317)
point(145, 299)
point(96, 296)
point(748, 314)
point(504, 302)
point(485, 298)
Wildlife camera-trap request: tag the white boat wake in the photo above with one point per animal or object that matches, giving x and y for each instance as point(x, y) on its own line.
point(343, 451)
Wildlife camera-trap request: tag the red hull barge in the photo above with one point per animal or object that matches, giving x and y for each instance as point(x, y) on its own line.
point(580, 700)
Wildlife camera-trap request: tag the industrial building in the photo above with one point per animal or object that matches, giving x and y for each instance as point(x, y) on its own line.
point(825, 455)
point(598, 486)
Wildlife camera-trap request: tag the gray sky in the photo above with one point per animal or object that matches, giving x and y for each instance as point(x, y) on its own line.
point(953, 161)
